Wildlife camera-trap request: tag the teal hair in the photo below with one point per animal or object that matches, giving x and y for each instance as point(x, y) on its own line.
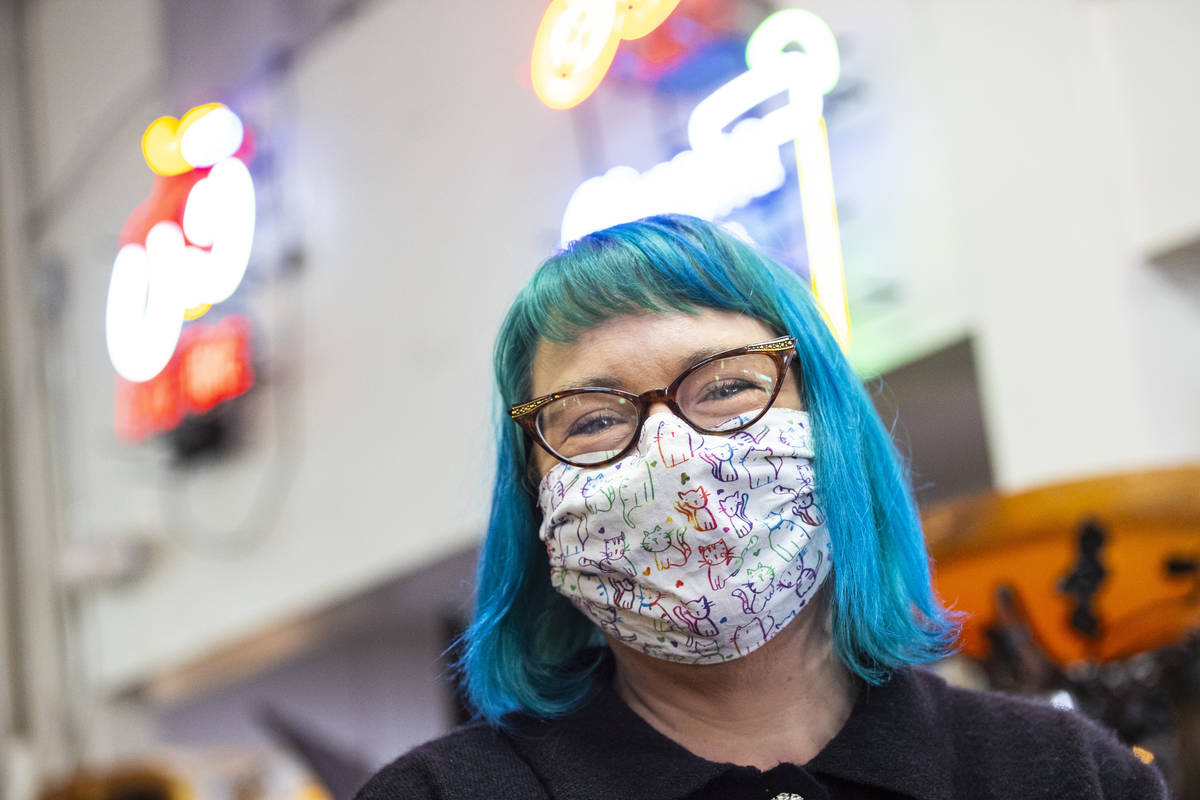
point(522, 650)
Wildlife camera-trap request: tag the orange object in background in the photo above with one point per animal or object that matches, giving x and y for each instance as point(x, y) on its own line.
point(144, 782)
point(1029, 542)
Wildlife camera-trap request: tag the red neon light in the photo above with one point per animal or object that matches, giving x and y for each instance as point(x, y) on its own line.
point(211, 365)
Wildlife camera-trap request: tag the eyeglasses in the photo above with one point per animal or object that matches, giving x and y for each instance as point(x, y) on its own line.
point(591, 427)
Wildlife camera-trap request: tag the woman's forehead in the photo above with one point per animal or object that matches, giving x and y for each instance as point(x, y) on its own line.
point(632, 352)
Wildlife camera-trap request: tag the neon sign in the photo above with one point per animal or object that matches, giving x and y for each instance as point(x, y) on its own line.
point(577, 40)
point(211, 365)
point(723, 171)
point(186, 247)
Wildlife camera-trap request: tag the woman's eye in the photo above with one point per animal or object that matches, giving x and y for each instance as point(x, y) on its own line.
point(724, 389)
point(593, 424)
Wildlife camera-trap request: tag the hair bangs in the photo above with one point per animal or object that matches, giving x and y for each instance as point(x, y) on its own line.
point(635, 268)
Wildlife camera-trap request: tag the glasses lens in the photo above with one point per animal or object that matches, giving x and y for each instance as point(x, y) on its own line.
point(729, 392)
point(588, 427)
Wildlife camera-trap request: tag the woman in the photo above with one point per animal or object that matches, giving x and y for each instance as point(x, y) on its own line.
point(704, 574)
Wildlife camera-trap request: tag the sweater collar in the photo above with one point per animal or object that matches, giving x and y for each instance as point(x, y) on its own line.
point(897, 738)
point(894, 739)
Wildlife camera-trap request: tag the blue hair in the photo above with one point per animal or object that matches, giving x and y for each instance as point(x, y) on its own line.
point(522, 650)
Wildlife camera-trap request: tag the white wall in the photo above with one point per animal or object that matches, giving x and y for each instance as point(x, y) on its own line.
point(1084, 346)
point(1149, 53)
point(427, 181)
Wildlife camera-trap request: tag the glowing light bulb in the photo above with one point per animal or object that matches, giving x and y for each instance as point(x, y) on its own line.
point(640, 17)
point(579, 36)
point(573, 50)
point(577, 40)
point(211, 136)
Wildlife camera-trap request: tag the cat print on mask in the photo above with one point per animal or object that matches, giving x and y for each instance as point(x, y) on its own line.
point(801, 577)
point(598, 495)
point(739, 560)
point(675, 445)
point(751, 636)
point(751, 437)
point(760, 581)
point(614, 559)
point(552, 496)
point(636, 490)
point(606, 618)
point(809, 511)
point(755, 454)
point(694, 616)
point(624, 592)
point(553, 493)
point(649, 604)
point(804, 506)
point(806, 479)
point(570, 528)
point(733, 506)
point(720, 459)
point(717, 556)
point(589, 585)
point(796, 435)
point(669, 548)
point(785, 535)
point(554, 554)
point(623, 537)
point(693, 504)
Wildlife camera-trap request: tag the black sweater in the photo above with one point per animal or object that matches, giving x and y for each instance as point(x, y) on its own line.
point(914, 737)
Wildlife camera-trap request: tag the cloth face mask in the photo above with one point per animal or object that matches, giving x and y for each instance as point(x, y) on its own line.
point(695, 548)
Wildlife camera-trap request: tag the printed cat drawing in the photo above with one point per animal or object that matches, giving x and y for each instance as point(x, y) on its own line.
point(669, 549)
point(675, 446)
point(694, 505)
point(694, 615)
point(717, 556)
point(760, 581)
point(733, 506)
point(606, 618)
point(721, 460)
point(614, 559)
point(750, 636)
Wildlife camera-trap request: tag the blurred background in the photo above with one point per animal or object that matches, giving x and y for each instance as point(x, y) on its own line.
point(235, 549)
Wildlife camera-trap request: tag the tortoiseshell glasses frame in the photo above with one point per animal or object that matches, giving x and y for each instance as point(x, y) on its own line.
point(782, 352)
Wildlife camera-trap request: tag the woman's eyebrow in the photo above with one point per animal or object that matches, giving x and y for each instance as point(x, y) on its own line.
point(595, 381)
point(609, 382)
point(696, 356)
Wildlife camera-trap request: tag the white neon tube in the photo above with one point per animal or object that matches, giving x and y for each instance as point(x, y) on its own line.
point(220, 213)
point(144, 313)
point(724, 170)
